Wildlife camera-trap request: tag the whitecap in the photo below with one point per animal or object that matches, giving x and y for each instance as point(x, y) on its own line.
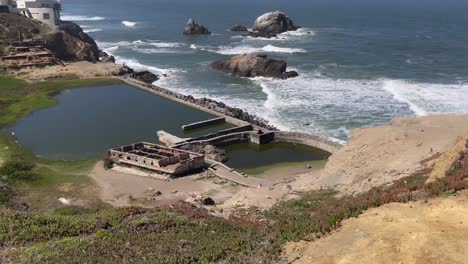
point(245, 49)
point(90, 30)
point(81, 18)
point(429, 98)
point(129, 23)
point(144, 46)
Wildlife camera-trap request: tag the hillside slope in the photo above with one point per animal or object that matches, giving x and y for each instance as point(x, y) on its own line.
point(379, 155)
point(433, 232)
point(68, 43)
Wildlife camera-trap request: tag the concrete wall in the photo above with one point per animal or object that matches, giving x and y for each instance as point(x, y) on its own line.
point(309, 140)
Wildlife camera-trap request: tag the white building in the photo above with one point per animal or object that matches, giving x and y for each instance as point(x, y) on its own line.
point(46, 11)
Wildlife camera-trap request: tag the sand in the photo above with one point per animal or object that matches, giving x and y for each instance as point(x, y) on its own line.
point(433, 232)
point(117, 186)
point(82, 69)
point(378, 155)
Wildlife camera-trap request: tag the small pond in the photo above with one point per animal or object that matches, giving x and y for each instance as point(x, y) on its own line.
point(255, 159)
point(88, 121)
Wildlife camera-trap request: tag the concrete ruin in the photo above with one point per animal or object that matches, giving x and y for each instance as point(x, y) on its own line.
point(175, 162)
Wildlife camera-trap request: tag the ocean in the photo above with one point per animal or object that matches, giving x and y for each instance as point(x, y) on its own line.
point(361, 62)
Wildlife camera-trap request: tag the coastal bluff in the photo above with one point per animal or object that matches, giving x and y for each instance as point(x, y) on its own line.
point(67, 42)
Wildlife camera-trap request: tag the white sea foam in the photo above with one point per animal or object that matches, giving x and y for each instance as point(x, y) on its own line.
point(300, 33)
point(81, 18)
point(244, 49)
point(332, 107)
point(90, 30)
point(129, 23)
point(144, 46)
point(429, 98)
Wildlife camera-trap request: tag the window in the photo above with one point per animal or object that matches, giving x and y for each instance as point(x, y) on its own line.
point(46, 16)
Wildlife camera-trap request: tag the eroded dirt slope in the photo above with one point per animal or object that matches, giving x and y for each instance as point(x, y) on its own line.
point(419, 232)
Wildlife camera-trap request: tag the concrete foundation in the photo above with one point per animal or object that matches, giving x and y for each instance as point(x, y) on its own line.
point(154, 157)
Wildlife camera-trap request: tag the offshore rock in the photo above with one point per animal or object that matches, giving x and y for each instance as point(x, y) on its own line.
point(274, 23)
point(193, 28)
point(253, 65)
point(239, 28)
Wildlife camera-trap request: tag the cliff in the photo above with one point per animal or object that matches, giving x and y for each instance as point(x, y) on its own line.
point(68, 42)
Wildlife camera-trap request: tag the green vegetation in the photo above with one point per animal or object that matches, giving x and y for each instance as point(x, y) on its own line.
point(184, 234)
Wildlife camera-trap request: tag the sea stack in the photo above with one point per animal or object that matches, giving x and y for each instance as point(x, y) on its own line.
point(253, 65)
point(193, 28)
point(239, 28)
point(272, 23)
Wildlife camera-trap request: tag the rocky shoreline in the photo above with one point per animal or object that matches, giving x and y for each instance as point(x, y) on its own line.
point(206, 103)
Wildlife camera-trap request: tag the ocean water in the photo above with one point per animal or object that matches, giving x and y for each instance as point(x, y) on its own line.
point(360, 62)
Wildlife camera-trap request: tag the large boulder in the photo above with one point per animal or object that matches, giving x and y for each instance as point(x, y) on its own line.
point(274, 23)
point(145, 76)
point(193, 28)
point(124, 70)
point(253, 65)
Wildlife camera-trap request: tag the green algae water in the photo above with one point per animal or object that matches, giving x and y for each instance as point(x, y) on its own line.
point(248, 157)
point(88, 121)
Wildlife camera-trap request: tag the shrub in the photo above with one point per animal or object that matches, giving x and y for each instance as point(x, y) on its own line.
point(71, 210)
point(18, 171)
point(11, 167)
point(108, 163)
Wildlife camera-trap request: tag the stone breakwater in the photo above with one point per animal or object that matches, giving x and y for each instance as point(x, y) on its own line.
point(206, 103)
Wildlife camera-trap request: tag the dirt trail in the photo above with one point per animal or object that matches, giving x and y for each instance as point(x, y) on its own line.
point(433, 232)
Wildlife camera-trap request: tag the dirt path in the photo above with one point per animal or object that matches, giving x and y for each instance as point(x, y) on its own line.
point(433, 232)
point(117, 186)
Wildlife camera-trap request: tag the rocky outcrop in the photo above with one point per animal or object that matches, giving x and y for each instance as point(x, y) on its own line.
point(239, 28)
point(211, 152)
point(145, 76)
point(253, 65)
point(68, 42)
point(193, 28)
point(105, 57)
point(272, 23)
point(124, 70)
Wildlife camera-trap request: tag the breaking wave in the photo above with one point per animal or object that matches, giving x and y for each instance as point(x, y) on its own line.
point(144, 46)
point(332, 107)
point(129, 23)
point(244, 49)
point(81, 18)
point(90, 30)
